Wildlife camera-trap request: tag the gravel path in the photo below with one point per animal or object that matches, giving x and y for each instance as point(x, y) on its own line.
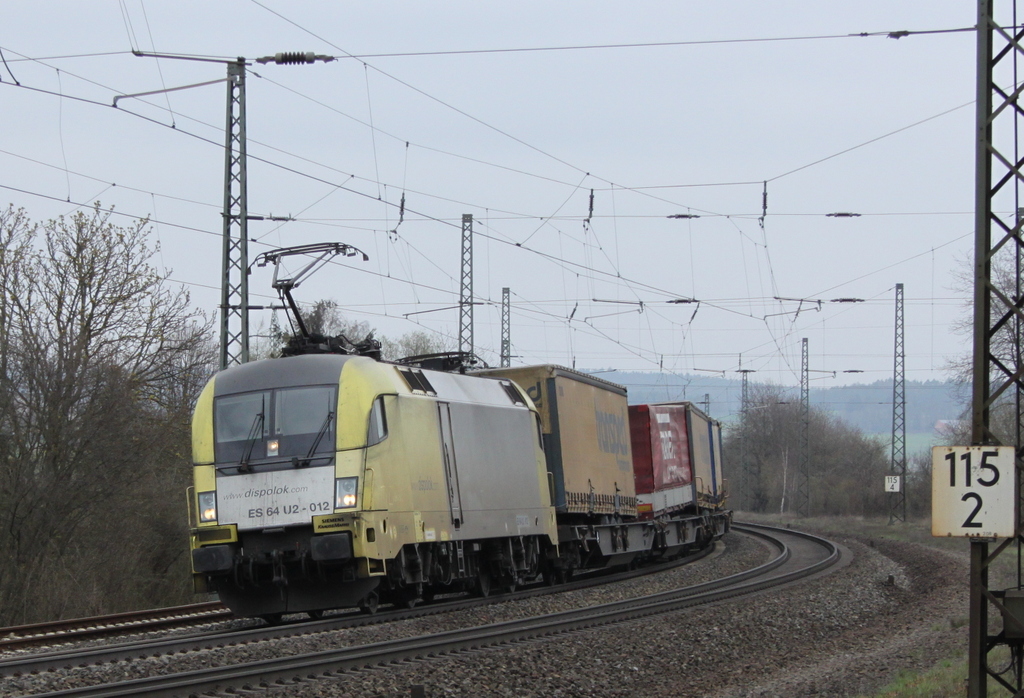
point(843, 634)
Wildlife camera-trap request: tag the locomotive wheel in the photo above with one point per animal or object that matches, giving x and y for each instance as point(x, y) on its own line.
point(509, 582)
point(411, 596)
point(316, 615)
point(370, 603)
point(483, 584)
point(550, 575)
point(272, 618)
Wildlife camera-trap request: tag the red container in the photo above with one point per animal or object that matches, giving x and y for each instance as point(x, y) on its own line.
point(662, 467)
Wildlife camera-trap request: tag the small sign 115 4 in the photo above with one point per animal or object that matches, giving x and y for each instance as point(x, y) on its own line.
point(973, 491)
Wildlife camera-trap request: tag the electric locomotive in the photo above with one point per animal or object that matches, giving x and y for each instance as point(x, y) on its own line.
point(328, 481)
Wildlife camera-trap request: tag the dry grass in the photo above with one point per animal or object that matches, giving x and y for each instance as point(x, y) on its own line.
point(948, 677)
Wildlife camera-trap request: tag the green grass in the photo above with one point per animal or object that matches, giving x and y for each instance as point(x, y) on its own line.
point(914, 442)
point(947, 679)
point(876, 527)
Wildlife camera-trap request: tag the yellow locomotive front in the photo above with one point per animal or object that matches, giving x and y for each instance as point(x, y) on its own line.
point(279, 457)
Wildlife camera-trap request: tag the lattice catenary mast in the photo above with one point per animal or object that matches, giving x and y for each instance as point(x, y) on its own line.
point(506, 329)
point(234, 294)
point(747, 476)
point(803, 478)
point(997, 381)
point(234, 299)
point(898, 498)
point(466, 290)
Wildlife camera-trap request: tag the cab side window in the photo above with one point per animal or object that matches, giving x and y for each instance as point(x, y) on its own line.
point(378, 423)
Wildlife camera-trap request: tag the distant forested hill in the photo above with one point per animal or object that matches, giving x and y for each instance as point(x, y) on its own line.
point(865, 406)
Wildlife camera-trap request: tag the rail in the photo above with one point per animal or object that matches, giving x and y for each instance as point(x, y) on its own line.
point(287, 670)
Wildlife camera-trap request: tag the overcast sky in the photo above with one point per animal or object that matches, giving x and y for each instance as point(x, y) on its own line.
point(659, 108)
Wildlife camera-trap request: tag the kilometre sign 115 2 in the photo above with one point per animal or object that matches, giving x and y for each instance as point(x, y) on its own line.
point(973, 491)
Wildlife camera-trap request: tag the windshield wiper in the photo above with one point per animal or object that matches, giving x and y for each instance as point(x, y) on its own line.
point(316, 443)
point(254, 433)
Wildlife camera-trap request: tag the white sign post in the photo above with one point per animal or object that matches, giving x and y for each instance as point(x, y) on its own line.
point(973, 492)
point(892, 483)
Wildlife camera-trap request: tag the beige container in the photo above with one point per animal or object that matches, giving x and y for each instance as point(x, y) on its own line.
point(706, 454)
point(586, 438)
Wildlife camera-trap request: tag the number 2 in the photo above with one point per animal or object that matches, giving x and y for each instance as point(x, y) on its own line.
point(969, 522)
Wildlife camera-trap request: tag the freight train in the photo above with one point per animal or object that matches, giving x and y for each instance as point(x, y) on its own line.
point(332, 480)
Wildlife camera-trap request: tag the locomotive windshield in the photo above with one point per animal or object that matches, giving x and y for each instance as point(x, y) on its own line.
point(276, 425)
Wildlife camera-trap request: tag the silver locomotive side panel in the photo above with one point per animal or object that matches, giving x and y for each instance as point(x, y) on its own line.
point(500, 489)
point(492, 458)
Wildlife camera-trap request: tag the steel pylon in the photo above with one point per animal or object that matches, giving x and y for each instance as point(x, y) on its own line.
point(466, 290)
point(898, 467)
point(506, 329)
point(234, 299)
point(997, 370)
point(803, 478)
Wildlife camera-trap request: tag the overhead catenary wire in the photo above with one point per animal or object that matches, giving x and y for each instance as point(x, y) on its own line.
point(640, 190)
point(898, 34)
point(159, 69)
point(462, 112)
point(890, 34)
point(598, 245)
point(60, 133)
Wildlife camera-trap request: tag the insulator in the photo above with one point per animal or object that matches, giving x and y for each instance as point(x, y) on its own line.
point(294, 57)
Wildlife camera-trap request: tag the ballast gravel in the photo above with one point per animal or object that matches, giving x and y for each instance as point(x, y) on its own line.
point(894, 607)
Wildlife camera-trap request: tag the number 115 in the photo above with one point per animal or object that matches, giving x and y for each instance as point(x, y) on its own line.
point(966, 458)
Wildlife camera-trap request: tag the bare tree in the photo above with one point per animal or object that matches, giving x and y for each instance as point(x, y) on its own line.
point(1006, 343)
point(323, 318)
point(100, 364)
point(416, 343)
point(846, 467)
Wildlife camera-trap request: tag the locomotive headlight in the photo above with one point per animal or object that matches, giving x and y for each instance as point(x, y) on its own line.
point(272, 447)
point(207, 507)
point(345, 492)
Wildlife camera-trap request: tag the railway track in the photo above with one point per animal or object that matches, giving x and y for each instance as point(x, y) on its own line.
point(797, 556)
point(69, 657)
point(19, 636)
